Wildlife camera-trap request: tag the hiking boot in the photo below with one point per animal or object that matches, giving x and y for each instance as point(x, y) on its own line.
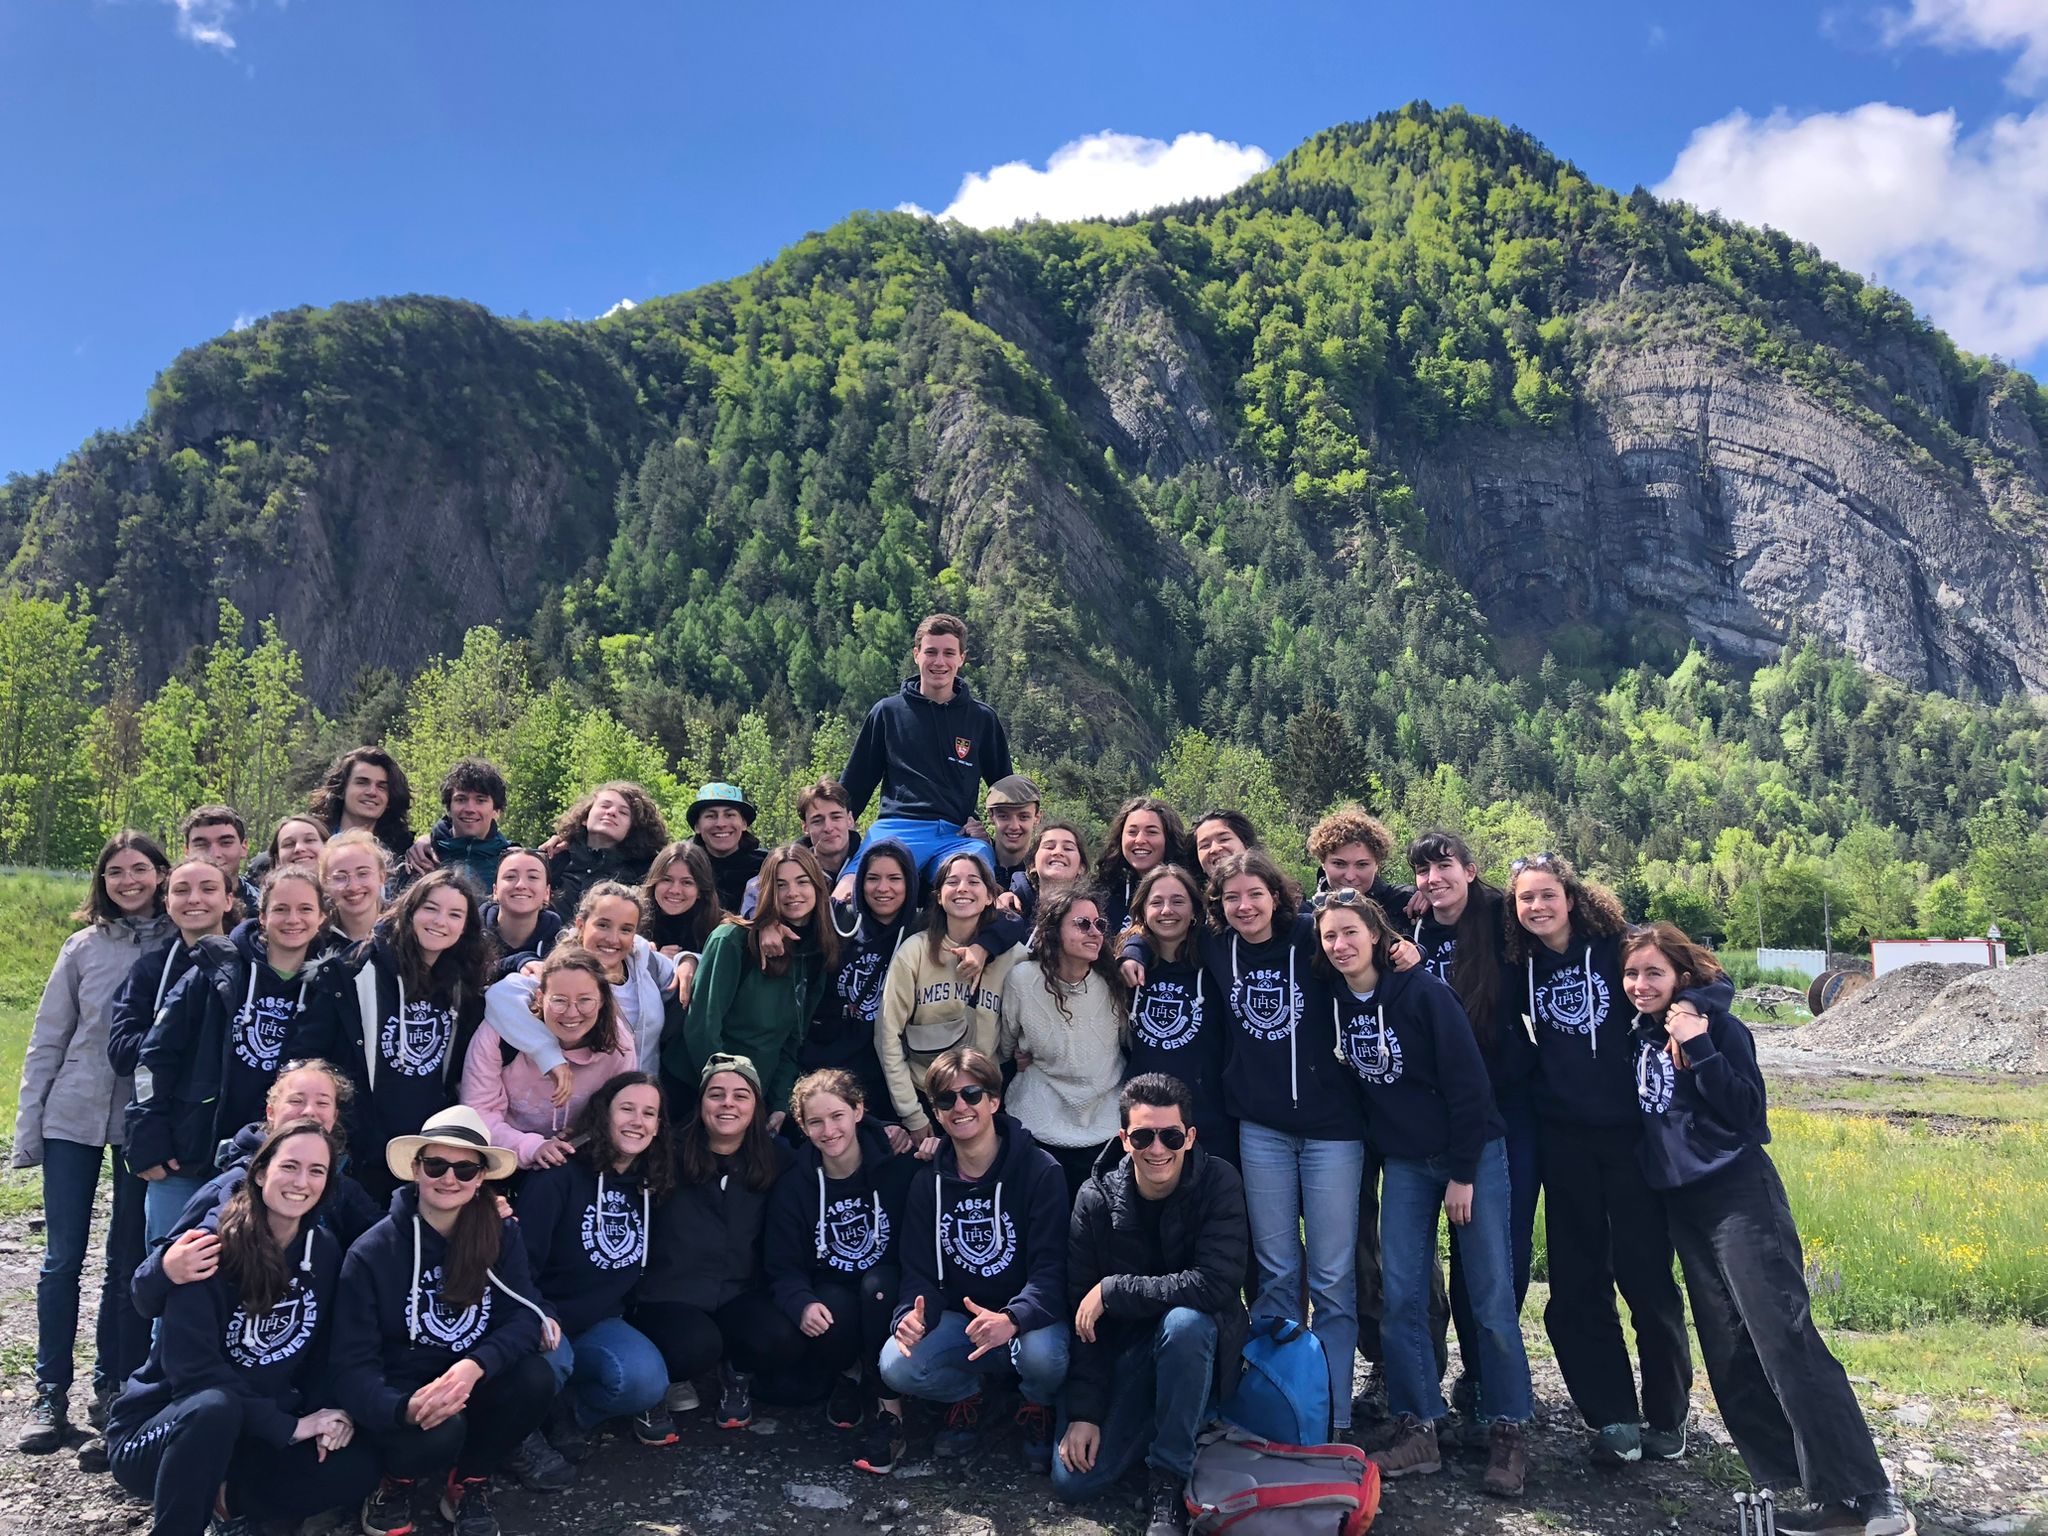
point(655, 1427)
point(1036, 1420)
point(466, 1505)
point(1412, 1453)
point(1507, 1460)
point(102, 1401)
point(92, 1456)
point(1884, 1513)
point(682, 1397)
point(564, 1434)
point(234, 1525)
point(956, 1437)
point(1819, 1520)
point(1663, 1444)
point(49, 1421)
point(735, 1398)
point(1166, 1507)
point(882, 1447)
point(1468, 1427)
point(1617, 1445)
point(388, 1511)
point(539, 1466)
point(1369, 1406)
point(843, 1411)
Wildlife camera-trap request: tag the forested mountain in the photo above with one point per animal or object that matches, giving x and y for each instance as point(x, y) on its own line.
point(1399, 457)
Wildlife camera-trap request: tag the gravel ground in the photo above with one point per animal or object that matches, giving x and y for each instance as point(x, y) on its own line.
point(1951, 1018)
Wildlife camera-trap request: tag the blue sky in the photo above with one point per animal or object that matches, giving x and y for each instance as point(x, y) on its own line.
point(176, 166)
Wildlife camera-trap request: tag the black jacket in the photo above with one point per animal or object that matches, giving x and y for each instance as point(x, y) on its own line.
point(707, 1239)
point(586, 1238)
point(842, 1031)
point(135, 1006)
point(821, 1228)
point(579, 866)
point(929, 760)
point(730, 872)
point(1699, 1119)
point(1198, 1262)
point(547, 932)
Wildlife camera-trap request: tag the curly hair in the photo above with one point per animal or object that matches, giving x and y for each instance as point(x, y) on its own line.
point(1113, 869)
point(842, 1085)
point(1054, 908)
point(1346, 825)
point(657, 1165)
point(1595, 910)
point(394, 827)
point(649, 830)
point(1259, 864)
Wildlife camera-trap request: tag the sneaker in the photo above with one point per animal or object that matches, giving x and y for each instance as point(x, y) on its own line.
point(735, 1398)
point(1166, 1506)
point(1617, 1445)
point(466, 1505)
point(539, 1466)
point(1507, 1460)
point(234, 1525)
point(1413, 1452)
point(655, 1427)
point(1663, 1444)
point(682, 1397)
point(92, 1456)
point(1370, 1404)
point(1884, 1514)
point(883, 1446)
point(388, 1511)
point(1819, 1520)
point(1036, 1420)
point(956, 1437)
point(848, 1399)
point(569, 1439)
point(49, 1422)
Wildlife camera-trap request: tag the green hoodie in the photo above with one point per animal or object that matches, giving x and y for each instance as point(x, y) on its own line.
point(735, 1006)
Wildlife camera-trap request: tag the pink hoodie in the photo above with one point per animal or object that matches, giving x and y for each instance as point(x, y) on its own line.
point(515, 1099)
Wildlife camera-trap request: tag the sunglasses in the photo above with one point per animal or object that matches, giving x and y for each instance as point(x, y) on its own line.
point(971, 1095)
point(1344, 896)
point(438, 1167)
point(1533, 861)
point(1172, 1137)
point(1094, 924)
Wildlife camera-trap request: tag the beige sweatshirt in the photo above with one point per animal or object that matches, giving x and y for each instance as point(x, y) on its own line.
point(926, 1011)
point(1068, 1095)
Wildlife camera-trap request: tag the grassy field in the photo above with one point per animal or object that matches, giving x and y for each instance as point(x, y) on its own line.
point(34, 921)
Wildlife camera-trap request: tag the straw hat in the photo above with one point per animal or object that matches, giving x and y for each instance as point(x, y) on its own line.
point(458, 1128)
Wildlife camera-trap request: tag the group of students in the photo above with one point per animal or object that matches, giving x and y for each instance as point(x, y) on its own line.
point(415, 1185)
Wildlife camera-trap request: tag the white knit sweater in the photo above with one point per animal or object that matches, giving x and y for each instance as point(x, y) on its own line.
point(1067, 1096)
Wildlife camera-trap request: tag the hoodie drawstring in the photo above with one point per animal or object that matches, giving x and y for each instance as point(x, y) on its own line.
point(412, 1304)
point(646, 1218)
point(938, 1216)
point(305, 1268)
point(1337, 1027)
point(1529, 1018)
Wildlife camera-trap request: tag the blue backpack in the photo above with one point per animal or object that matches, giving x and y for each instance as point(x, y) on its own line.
point(1284, 1393)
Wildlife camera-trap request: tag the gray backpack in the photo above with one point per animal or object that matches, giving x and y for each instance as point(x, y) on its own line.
point(1253, 1487)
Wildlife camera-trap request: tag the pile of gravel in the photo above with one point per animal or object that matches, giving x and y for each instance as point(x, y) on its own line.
point(1959, 1018)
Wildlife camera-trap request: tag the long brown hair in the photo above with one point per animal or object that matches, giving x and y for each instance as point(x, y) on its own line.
point(1692, 962)
point(1112, 868)
point(98, 907)
point(935, 918)
point(705, 914)
point(1595, 911)
point(592, 1130)
point(474, 1240)
point(768, 909)
point(1475, 964)
point(1054, 908)
point(251, 1258)
point(394, 827)
point(648, 832)
point(603, 1036)
point(698, 1164)
point(1198, 904)
point(463, 968)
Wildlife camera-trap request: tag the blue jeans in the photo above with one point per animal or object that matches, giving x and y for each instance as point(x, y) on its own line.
point(1160, 1396)
point(71, 1181)
point(611, 1370)
point(1525, 1184)
point(1296, 1187)
point(928, 841)
point(164, 1201)
point(1411, 1196)
point(939, 1371)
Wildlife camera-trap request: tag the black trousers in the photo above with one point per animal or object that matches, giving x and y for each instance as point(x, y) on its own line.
point(1371, 1302)
point(503, 1410)
point(1786, 1401)
point(1605, 1231)
point(180, 1458)
point(861, 1307)
point(750, 1331)
point(1076, 1163)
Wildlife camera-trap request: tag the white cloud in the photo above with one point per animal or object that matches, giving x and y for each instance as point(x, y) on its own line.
point(1998, 25)
point(1104, 175)
point(619, 308)
point(1958, 222)
point(243, 322)
point(205, 22)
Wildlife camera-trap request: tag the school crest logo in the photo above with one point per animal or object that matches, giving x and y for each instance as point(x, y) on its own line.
point(1656, 1080)
point(978, 1238)
point(1375, 1059)
point(612, 1235)
point(962, 748)
point(1266, 1003)
point(1166, 1017)
point(1571, 1002)
point(277, 1334)
point(857, 985)
point(419, 1045)
point(1439, 962)
point(853, 1235)
point(450, 1329)
point(260, 1032)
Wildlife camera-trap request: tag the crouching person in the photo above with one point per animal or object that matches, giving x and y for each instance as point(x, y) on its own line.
point(1155, 1261)
point(984, 1261)
point(438, 1335)
point(226, 1422)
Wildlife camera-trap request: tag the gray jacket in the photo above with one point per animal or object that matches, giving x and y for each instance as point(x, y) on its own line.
point(68, 1089)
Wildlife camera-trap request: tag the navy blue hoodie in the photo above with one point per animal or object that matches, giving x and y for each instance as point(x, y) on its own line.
point(1585, 1070)
point(1511, 1055)
point(929, 760)
point(392, 1331)
point(1178, 1027)
point(1699, 1119)
point(547, 930)
point(271, 1362)
point(586, 1239)
point(1421, 1077)
point(824, 1229)
point(1000, 1240)
point(135, 1005)
point(842, 1031)
point(346, 1211)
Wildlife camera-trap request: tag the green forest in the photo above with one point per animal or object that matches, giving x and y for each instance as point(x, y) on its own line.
point(756, 488)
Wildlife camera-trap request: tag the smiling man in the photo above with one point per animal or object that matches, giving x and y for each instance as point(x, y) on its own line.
point(1155, 1262)
point(929, 748)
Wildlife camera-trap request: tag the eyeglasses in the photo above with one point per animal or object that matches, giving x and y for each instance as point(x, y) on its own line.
point(1533, 861)
point(1092, 924)
point(1344, 896)
point(970, 1095)
point(439, 1167)
point(1172, 1137)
